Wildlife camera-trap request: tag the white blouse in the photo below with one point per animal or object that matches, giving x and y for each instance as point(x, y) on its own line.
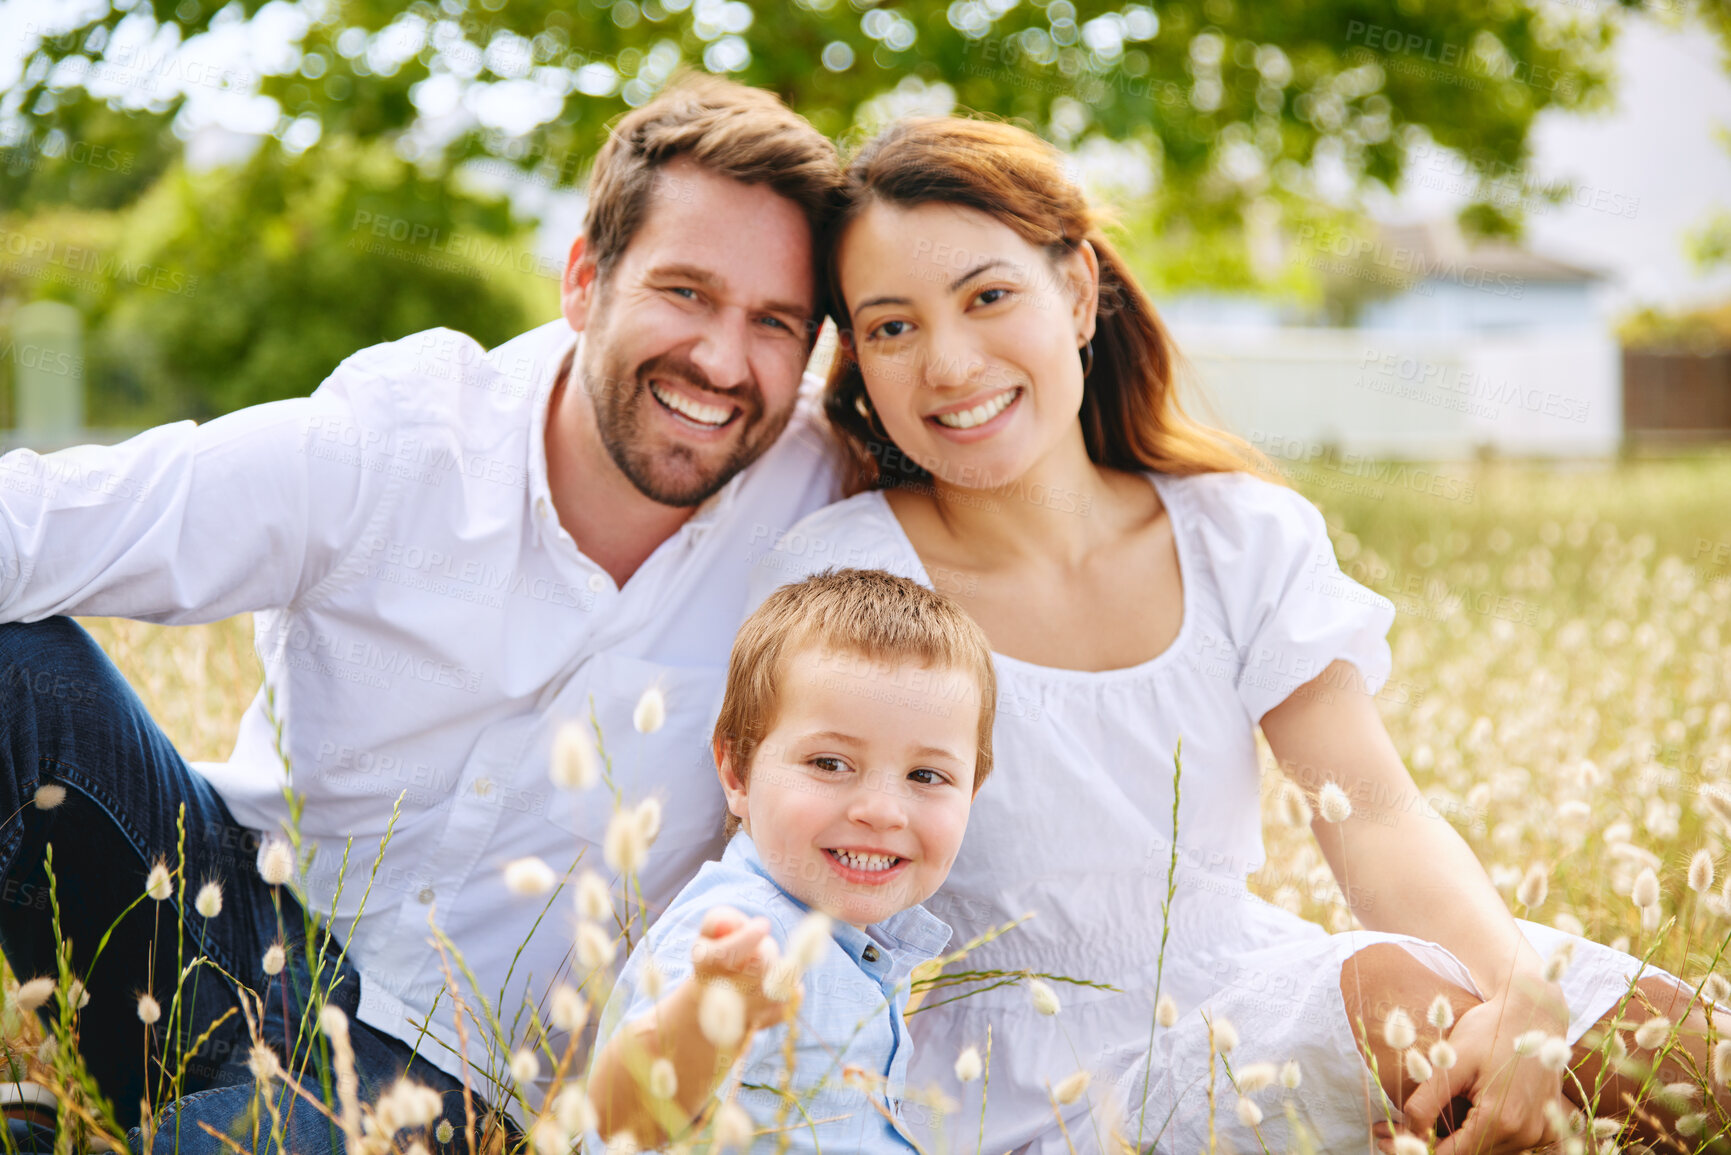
point(1076, 827)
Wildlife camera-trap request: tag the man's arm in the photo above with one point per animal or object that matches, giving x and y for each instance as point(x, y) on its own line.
point(189, 523)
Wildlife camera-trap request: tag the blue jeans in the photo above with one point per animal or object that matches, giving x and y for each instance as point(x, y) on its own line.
point(69, 719)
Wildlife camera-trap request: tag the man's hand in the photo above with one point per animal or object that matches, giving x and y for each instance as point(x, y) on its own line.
point(1508, 1092)
point(738, 951)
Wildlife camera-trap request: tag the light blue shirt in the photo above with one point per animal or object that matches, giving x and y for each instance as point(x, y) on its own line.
point(851, 1015)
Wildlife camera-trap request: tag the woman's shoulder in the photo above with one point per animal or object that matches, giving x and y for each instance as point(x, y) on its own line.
point(860, 532)
point(1237, 508)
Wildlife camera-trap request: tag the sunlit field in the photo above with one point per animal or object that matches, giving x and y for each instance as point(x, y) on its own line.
point(1561, 689)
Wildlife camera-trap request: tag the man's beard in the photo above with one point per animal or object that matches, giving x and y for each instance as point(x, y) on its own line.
point(676, 475)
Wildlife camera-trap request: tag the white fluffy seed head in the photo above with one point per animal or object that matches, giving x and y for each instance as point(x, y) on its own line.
point(33, 994)
point(276, 862)
point(1410, 1145)
point(1333, 804)
point(1071, 1087)
point(733, 1127)
point(1418, 1067)
point(624, 847)
point(649, 819)
point(1291, 1075)
point(1651, 1035)
point(663, 1079)
point(160, 884)
point(274, 958)
point(334, 1024)
point(1554, 1054)
point(1441, 1014)
point(1716, 989)
point(569, 1012)
point(209, 900)
point(1558, 964)
point(1646, 889)
point(575, 765)
point(1529, 1042)
point(77, 995)
point(1717, 800)
point(1166, 1011)
point(651, 711)
point(1701, 872)
point(574, 1110)
point(650, 977)
point(1722, 1062)
point(1442, 1055)
point(444, 1132)
point(1397, 1030)
point(1222, 1035)
point(1255, 1077)
point(594, 900)
point(525, 1066)
point(529, 876)
point(968, 1065)
point(809, 940)
point(1045, 999)
point(595, 947)
point(721, 1014)
point(781, 980)
point(1535, 885)
point(262, 1062)
point(1249, 1113)
point(548, 1137)
point(49, 795)
point(149, 1010)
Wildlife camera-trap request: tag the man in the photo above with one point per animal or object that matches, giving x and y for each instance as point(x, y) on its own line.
point(449, 554)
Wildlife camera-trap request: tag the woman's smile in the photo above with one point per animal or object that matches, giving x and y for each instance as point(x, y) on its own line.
point(971, 420)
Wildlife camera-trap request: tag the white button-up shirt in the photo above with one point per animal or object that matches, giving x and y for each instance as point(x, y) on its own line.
point(425, 626)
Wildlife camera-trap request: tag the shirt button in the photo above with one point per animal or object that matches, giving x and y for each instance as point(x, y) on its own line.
point(870, 953)
point(597, 583)
point(541, 508)
point(426, 895)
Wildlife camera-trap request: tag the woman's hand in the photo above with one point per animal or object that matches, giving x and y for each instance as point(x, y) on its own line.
point(1509, 1092)
point(738, 951)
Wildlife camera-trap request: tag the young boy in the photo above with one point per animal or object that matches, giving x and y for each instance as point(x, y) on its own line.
point(856, 729)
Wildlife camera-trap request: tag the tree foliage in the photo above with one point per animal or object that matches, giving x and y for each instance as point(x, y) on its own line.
point(1229, 112)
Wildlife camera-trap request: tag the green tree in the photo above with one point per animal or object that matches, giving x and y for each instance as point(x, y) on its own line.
point(1241, 114)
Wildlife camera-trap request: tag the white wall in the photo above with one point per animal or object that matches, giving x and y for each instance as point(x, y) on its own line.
point(1555, 392)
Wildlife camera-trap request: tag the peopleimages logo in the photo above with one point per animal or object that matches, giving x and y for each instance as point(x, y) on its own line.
point(51, 257)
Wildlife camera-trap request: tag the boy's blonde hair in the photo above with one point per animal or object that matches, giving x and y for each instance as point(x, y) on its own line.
point(866, 612)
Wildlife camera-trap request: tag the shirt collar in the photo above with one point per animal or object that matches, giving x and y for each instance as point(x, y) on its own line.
point(916, 930)
point(565, 350)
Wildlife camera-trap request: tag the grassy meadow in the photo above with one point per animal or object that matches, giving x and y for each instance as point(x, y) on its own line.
point(1561, 691)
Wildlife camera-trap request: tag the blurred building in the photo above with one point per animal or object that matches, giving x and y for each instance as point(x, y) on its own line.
point(1454, 349)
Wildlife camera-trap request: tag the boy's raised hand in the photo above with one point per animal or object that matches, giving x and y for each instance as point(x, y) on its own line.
point(739, 952)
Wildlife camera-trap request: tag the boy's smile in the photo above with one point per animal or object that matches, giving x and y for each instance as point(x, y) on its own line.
point(859, 794)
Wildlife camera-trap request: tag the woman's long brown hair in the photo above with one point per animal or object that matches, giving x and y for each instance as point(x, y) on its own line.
point(1131, 418)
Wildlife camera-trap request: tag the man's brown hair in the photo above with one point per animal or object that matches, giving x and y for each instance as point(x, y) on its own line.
point(731, 130)
point(867, 613)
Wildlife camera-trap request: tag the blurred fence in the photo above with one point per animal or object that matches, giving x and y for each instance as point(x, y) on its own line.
point(1676, 395)
point(1418, 395)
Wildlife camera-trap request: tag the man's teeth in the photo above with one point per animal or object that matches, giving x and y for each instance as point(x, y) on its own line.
point(866, 861)
point(696, 410)
point(979, 414)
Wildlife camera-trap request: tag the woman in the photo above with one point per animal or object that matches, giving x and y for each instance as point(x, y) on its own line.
point(1006, 392)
